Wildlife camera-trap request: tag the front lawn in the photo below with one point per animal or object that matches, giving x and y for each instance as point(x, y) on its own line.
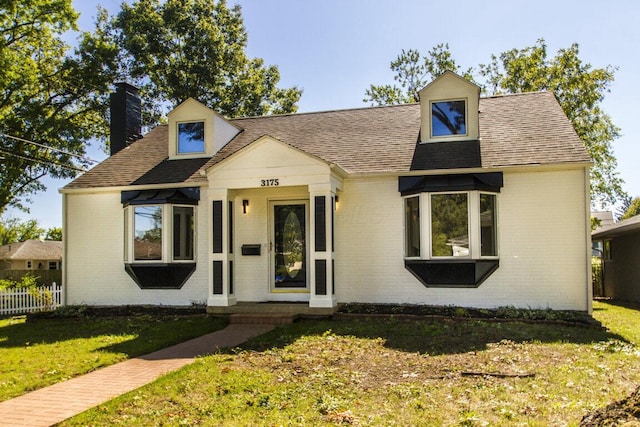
point(398, 372)
point(41, 352)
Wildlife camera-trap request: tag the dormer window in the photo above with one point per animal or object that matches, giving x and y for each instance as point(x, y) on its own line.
point(196, 131)
point(191, 137)
point(449, 110)
point(448, 118)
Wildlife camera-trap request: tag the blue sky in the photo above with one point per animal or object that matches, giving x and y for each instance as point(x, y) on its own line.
point(334, 49)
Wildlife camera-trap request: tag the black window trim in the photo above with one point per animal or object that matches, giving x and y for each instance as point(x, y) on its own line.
point(433, 137)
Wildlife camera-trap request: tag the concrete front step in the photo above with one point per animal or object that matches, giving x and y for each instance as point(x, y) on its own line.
point(301, 309)
point(262, 319)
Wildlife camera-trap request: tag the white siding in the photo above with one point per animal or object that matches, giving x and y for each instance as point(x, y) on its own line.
point(541, 239)
point(94, 237)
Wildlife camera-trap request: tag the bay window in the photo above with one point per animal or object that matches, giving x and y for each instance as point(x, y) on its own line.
point(159, 236)
point(451, 227)
point(161, 233)
point(457, 225)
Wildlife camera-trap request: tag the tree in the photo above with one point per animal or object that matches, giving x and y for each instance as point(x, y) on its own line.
point(53, 100)
point(414, 72)
point(54, 233)
point(46, 96)
point(624, 205)
point(632, 210)
point(176, 49)
point(580, 90)
point(13, 230)
point(578, 87)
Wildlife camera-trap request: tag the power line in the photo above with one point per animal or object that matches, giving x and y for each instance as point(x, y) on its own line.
point(87, 159)
point(37, 160)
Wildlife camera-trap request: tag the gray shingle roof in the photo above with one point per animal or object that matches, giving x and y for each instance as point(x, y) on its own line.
point(522, 129)
point(629, 225)
point(32, 249)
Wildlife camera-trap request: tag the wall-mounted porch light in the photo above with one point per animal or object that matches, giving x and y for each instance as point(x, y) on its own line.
point(245, 205)
point(337, 201)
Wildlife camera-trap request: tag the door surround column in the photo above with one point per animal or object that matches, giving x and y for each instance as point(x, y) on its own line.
point(220, 203)
point(321, 278)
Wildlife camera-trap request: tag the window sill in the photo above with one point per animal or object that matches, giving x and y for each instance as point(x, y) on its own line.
point(452, 273)
point(160, 275)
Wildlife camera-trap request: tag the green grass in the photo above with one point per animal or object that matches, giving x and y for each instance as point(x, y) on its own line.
point(625, 320)
point(397, 372)
point(41, 352)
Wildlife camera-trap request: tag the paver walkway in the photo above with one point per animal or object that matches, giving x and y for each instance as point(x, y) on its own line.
point(50, 405)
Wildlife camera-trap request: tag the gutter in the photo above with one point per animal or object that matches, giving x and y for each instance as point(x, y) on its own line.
point(587, 225)
point(64, 249)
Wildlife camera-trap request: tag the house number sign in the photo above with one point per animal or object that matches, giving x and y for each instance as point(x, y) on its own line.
point(271, 182)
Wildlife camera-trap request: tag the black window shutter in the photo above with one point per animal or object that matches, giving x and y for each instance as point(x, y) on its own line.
point(217, 277)
point(217, 226)
point(321, 226)
point(321, 277)
point(230, 227)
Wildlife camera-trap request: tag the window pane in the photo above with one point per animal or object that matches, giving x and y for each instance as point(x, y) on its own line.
point(126, 236)
point(148, 233)
point(182, 233)
point(488, 235)
point(191, 137)
point(449, 225)
point(448, 118)
point(412, 226)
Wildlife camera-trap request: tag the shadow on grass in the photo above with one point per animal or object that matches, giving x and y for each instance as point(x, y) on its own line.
point(625, 304)
point(434, 336)
point(148, 333)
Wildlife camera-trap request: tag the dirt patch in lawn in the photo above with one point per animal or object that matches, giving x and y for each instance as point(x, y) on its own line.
point(625, 412)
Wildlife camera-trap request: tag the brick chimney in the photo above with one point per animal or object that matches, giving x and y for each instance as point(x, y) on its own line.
point(126, 116)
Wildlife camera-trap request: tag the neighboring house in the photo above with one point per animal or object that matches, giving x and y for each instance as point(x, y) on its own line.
point(31, 255)
point(442, 202)
point(621, 259)
point(605, 218)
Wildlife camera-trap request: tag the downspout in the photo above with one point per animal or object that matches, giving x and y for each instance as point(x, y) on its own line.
point(587, 195)
point(64, 249)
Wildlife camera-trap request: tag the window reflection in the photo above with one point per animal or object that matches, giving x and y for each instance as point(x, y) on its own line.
point(183, 233)
point(191, 137)
point(449, 225)
point(412, 226)
point(488, 225)
point(148, 233)
point(448, 118)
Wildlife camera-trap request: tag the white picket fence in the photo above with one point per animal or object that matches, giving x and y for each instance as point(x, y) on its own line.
point(23, 300)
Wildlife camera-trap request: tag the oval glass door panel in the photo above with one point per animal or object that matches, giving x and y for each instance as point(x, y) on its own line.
point(293, 243)
point(290, 246)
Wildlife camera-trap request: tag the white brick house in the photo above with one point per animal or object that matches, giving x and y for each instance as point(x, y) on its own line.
point(456, 200)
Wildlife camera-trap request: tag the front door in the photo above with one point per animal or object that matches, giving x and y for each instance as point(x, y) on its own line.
point(289, 247)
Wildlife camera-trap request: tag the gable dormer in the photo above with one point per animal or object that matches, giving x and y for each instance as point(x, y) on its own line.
point(449, 109)
point(197, 131)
